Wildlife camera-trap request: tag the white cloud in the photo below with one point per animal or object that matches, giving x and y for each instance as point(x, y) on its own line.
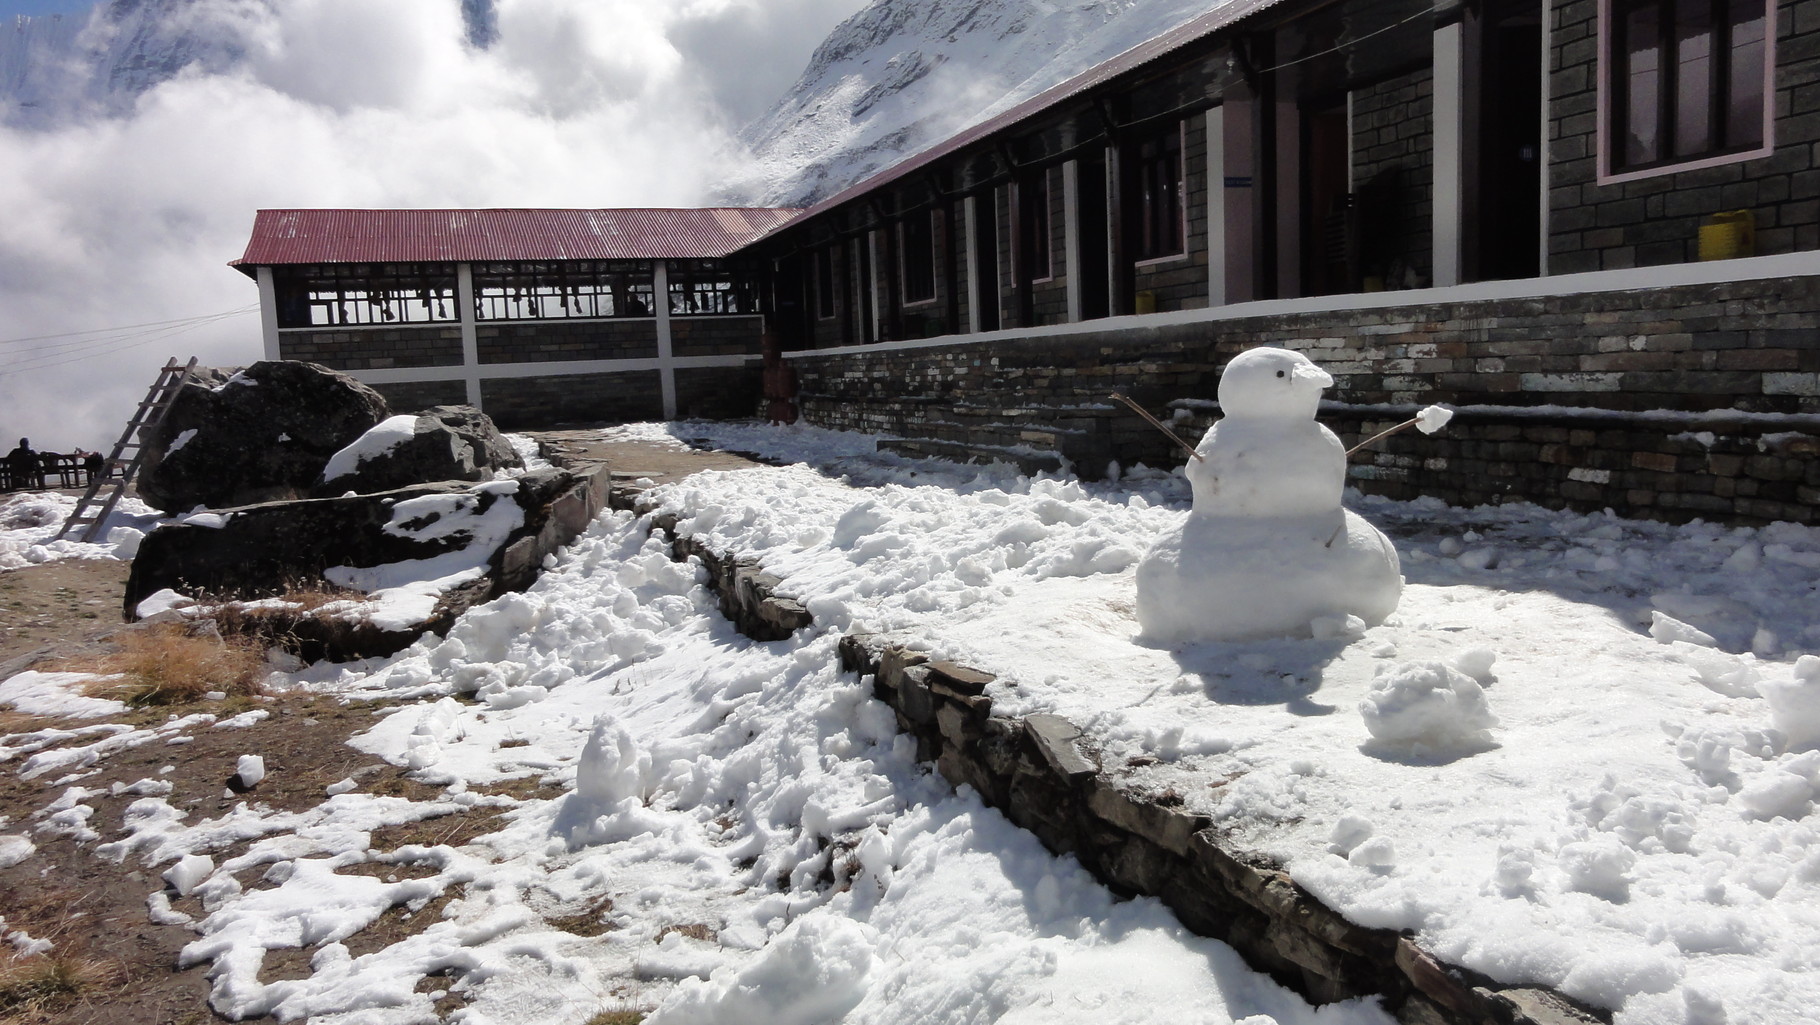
point(132, 219)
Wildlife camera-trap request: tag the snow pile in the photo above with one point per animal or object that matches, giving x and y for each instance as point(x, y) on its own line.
point(1267, 550)
point(1641, 835)
point(379, 439)
point(29, 521)
point(1430, 704)
point(476, 522)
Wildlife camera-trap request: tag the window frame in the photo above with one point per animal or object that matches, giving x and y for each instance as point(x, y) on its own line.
point(1613, 95)
point(366, 295)
point(1036, 225)
point(509, 291)
point(927, 250)
point(1147, 250)
point(826, 297)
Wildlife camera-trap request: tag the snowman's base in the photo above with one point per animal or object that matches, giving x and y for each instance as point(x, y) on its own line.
point(1233, 579)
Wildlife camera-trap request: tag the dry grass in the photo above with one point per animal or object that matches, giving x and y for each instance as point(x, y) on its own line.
point(34, 987)
point(695, 930)
point(167, 665)
point(277, 625)
point(623, 1017)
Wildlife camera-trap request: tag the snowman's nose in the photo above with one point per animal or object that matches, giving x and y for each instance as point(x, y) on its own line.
point(1310, 372)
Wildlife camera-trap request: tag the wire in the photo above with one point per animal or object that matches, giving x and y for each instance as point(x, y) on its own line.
point(108, 341)
point(133, 327)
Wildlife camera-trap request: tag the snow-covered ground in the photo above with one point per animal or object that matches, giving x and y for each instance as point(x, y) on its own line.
point(1579, 754)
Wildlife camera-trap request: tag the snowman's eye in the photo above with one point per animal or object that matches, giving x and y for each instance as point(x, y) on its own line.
point(1279, 373)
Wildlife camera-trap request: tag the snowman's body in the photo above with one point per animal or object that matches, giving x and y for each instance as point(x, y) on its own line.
point(1267, 548)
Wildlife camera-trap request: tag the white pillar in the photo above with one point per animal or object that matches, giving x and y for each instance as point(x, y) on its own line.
point(971, 207)
point(666, 356)
point(1216, 206)
point(470, 334)
point(268, 311)
point(1071, 235)
point(1449, 134)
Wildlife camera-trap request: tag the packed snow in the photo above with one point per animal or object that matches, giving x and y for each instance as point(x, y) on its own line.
point(1513, 765)
point(379, 440)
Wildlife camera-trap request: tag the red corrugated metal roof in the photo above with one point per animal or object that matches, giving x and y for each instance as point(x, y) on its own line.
point(1200, 27)
point(411, 236)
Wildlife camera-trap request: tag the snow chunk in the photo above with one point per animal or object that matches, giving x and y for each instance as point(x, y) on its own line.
point(816, 970)
point(36, 693)
point(1429, 703)
point(1794, 703)
point(250, 769)
point(1433, 418)
point(14, 849)
point(189, 872)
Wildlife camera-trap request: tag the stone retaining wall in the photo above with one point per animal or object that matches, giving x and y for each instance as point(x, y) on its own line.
point(1673, 402)
point(1045, 775)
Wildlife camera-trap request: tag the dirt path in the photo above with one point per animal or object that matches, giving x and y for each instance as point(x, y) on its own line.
point(94, 909)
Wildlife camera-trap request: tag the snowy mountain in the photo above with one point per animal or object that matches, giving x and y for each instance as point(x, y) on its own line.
point(57, 67)
point(902, 75)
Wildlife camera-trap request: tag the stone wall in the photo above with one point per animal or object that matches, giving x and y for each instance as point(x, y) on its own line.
point(374, 348)
point(1656, 220)
point(543, 341)
point(1697, 400)
point(717, 393)
point(529, 402)
point(1045, 775)
point(409, 396)
point(715, 335)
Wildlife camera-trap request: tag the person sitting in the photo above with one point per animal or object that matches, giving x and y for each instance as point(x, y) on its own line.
point(24, 465)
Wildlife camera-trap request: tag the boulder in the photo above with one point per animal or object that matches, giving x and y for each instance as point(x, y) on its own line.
point(440, 443)
point(476, 540)
point(262, 434)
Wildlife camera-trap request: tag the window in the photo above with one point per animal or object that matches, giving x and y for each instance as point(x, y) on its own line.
point(916, 237)
point(708, 286)
point(824, 283)
point(1160, 195)
point(340, 294)
point(1033, 225)
point(1685, 80)
point(562, 290)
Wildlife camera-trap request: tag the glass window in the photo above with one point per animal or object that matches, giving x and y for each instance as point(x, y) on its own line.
point(824, 282)
point(341, 294)
point(1033, 223)
point(563, 289)
point(1159, 174)
point(1686, 79)
point(916, 235)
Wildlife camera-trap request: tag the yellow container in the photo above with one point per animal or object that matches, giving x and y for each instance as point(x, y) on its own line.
point(1728, 235)
point(1145, 302)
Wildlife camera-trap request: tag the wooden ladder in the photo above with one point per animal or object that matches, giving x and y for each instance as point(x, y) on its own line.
point(92, 511)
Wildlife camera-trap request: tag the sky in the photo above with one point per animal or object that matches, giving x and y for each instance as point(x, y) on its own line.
point(120, 227)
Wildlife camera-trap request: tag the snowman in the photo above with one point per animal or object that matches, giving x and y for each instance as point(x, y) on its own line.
point(1267, 550)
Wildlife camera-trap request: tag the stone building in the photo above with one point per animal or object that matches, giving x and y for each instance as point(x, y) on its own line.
point(536, 316)
point(1592, 224)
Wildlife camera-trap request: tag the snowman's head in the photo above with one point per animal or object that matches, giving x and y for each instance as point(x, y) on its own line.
point(1271, 382)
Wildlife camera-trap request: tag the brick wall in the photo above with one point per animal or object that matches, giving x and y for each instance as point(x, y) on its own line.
point(1393, 167)
point(1656, 220)
point(374, 348)
point(715, 336)
point(411, 396)
point(533, 402)
point(544, 341)
point(718, 393)
point(1669, 394)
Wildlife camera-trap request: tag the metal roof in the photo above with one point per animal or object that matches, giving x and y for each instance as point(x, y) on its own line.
point(1197, 28)
point(436, 236)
